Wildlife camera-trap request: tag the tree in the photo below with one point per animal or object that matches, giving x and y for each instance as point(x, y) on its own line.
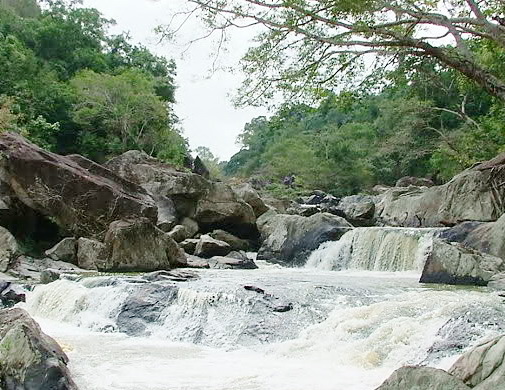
point(305, 44)
point(211, 162)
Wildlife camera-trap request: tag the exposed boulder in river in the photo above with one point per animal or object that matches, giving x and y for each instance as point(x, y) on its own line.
point(236, 244)
point(451, 263)
point(422, 378)
point(80, 195)
point(90, 253)
point(476, 194)
point(289, 239)
point(30, 359)
point(208, 247)
point(8, 249)
point(483, 367)
point(221, 262)
point(358, 209)
point(220, 208)
point(248, 194)
point(65, 250)
point(138, 245)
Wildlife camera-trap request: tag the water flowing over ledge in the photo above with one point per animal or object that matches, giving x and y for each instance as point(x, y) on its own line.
point(375, 249)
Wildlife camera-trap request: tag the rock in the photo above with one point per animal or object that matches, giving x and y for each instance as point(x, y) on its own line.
point(90, 253)
point(65, 250)
point(81, 196)
point(476, 194)
point(189, 245)
point(220, 262)
point(167, 214)
point(408, 181)
point(28, 268)
point(197, 262)
point(236, 244)
point(220, 208)
point(199, 168)
point(483, 367)
point(248, 194)
point(49, 275)
point(208, 247)
point(460, 232)
point(144, 306)
point(279, 205)
point(289, 239)
point(380, 189)
point(191, 226)
point(30, 359)
point(359, 210)
point(8, 249)
point(163, 181)
point(488, 238)
point(255, 289)
point(304, 210)
point(238, 255)
point(179, 233)
point(315, 199)
point(170, 276)
point(12, 294)
point(422, 378)
point(451, 263)
point(138, 245)
point(497, 282)
point(283, 308)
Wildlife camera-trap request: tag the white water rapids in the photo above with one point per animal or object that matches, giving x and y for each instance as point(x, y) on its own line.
point(346, 330)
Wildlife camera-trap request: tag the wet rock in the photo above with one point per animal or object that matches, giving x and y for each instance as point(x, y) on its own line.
point(473, 195)
point(189, 245)
point(143, 307)
point(8, 249)
point(283, 308)
point(451, 263)
point(220, 208)
point(248, 194)
point(359, 210)
point(12, 294)
point(289, 239)
point(65, 250)
point(138, 245)
point(238, 255)
point(49, 275)
point(30, 359)
point(483, 367)
point(170, 276)
point(208, 247)
point(90, 253)
point(220, 262)
point(255, 289)
point(235, 243)
point(422, 378)
point(497, 282)
point(197, 262)
point(408, 181)
point(81, 196)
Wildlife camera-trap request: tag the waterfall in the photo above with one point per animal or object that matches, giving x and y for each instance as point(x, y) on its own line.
point(375, 249)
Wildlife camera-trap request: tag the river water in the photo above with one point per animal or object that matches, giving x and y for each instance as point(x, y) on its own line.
point(297, 329)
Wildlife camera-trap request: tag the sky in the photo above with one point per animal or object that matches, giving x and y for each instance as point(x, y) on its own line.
point(203, 97)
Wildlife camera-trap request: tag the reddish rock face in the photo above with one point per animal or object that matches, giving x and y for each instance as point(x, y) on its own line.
point(82, 197)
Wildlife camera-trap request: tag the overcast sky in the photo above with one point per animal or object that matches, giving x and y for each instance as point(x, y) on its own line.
point(203, 98)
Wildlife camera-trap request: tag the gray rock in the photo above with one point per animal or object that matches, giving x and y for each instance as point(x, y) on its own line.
point(8, 249)
point(248, 194)
point(220, 262)
point(197, 262)
point(208, 247)
point(475, 194)
point(90, 253)
point(189, 245)
point(289, 239)
point(179, 233)
point(220, 208)
point(238, 255)
point(422, 378)
point(483, 367)
point(170, 276)
point(408, 181)
point(497, 282)
point(138, 245)
point(30, 359)
point(65, 250)
point(359, 210)
point(49, 275)
point(236, 244)
point(191, 226)
point(12, 294)
point(451, 263)
point(167, 214)
point(28, 268)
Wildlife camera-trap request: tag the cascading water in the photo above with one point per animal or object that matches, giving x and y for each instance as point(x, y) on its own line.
point(375, 249)
point(293, 329)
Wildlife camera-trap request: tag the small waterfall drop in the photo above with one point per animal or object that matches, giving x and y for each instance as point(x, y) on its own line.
point(375, 249)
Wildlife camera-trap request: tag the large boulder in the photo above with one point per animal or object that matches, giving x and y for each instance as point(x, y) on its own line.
point(248, 194)
point(138, 245)
point(90, 253)
point(483, 367)
point(289, 239)
point(81, 196)
point(422, 378)
point(220, 208)
point(236, 244)
point(8, 249)
point(208, 247)
point(29, 358)
point(163, 181)
point(65, 250)
point(358, 209)
point(451, 263)
point(476, 194)
point(221, 262)
point(408, 181)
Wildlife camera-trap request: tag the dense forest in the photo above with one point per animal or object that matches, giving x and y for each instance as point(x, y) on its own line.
point(71, 87)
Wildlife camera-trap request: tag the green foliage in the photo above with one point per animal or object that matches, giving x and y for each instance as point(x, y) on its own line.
point(211, 162)
point(75, 89)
